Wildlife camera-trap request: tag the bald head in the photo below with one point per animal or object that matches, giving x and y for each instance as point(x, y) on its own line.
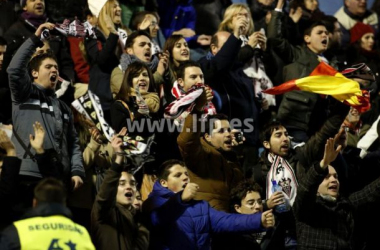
point(218, 40)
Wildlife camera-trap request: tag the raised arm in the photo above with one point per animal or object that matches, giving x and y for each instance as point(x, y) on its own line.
point(20, 83)
point(278, 43)
point(106, 199)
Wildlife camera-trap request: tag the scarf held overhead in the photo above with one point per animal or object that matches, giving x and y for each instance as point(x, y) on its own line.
point(185, 103)
point(325, 80)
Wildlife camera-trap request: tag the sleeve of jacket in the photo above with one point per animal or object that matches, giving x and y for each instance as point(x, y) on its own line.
point(167, 212)
point(119, 116)
point(106, 198)
point(277, 42)
point(20, 83)
point(77, 168)
point(65, 61)
point(304, 204)
point(223, 60)
point(101, 57)
point(9, 239)
point(47, 166)
point(369, 195)
point(222, 222)
point(89, 153)
point(314, 148)
point(9, 177)
point(189, 142)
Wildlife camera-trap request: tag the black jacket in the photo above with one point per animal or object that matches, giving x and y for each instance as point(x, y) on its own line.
point(224, 73)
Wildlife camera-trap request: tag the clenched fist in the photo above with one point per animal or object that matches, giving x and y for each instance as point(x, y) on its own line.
point(189, 192)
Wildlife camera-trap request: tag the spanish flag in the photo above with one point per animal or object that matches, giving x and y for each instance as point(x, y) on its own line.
point(325, 80)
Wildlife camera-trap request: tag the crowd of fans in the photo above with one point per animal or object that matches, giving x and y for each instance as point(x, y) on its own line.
point(137, 124)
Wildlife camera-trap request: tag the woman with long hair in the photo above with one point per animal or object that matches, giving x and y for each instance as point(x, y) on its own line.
point(102, 53)
point(136, 104)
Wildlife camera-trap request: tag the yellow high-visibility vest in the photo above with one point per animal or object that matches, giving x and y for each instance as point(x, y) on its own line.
point(52, 233)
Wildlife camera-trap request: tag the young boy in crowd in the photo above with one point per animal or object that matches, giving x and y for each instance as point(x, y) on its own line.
point(179, 222)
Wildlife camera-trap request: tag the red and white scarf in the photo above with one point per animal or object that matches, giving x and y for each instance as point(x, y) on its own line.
point(185, 103)
point(284, 175)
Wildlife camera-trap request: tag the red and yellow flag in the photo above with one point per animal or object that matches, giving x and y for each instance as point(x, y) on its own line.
point(325, 80)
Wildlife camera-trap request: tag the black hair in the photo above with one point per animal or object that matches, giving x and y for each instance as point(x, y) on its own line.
point(268, 130)
point(164, 169)
point(182, 67)
point(36, 61)
point(131, 38)
point(210, 122)
point(309, 29)
point(329, 23)
point(3, 41)
point(138, 18)
point(241, 190)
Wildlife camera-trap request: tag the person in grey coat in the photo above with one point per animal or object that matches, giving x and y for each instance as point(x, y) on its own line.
point(35, 100)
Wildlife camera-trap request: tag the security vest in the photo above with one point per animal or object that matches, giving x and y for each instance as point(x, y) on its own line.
point(55, 232)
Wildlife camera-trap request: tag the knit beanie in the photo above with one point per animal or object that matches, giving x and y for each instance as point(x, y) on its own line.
point(359, 30)
point(95, 6)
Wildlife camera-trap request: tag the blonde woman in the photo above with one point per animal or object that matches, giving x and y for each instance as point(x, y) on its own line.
point(102, 53)
point(253, 45)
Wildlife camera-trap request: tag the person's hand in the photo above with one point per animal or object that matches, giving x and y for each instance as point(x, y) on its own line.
point(43, 26)
point(264, 104)
point(95, 135)
point(37, 141)
point(267, 219)
point(330, 153)
point(117, 144)
point(109, 24)
point(280, 4)
point(275, 199)
point(189, 192)
point(240, 26)
point(204, 40)
point(295, 15)
point(234, 141)
point(258, 38)
point(146, 22)
point(185, 32)
point(6, 144)
point(204, 99)
point(163, 64)
point(76, 182)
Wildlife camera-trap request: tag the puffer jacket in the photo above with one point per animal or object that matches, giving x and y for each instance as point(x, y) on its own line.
point(216, 172)
point(32, 103)
point(179, 225)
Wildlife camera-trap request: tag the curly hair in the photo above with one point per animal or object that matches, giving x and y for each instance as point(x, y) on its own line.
point(239, 192)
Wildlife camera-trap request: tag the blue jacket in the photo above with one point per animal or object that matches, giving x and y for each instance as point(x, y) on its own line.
point(179, 225)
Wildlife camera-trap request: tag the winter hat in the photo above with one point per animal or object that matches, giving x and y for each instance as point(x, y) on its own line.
point(360, 70)
point(359, 30)
point(95, 6)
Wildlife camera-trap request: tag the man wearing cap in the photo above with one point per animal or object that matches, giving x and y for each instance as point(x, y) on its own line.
point(352, 12)
point(32, 17)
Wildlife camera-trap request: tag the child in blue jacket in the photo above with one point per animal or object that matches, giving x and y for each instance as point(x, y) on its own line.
point(179, 222)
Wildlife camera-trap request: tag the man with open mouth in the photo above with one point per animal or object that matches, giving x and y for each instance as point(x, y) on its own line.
point(320, 210)
point(32, 85)
point(302, 113)
point(113, 218)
